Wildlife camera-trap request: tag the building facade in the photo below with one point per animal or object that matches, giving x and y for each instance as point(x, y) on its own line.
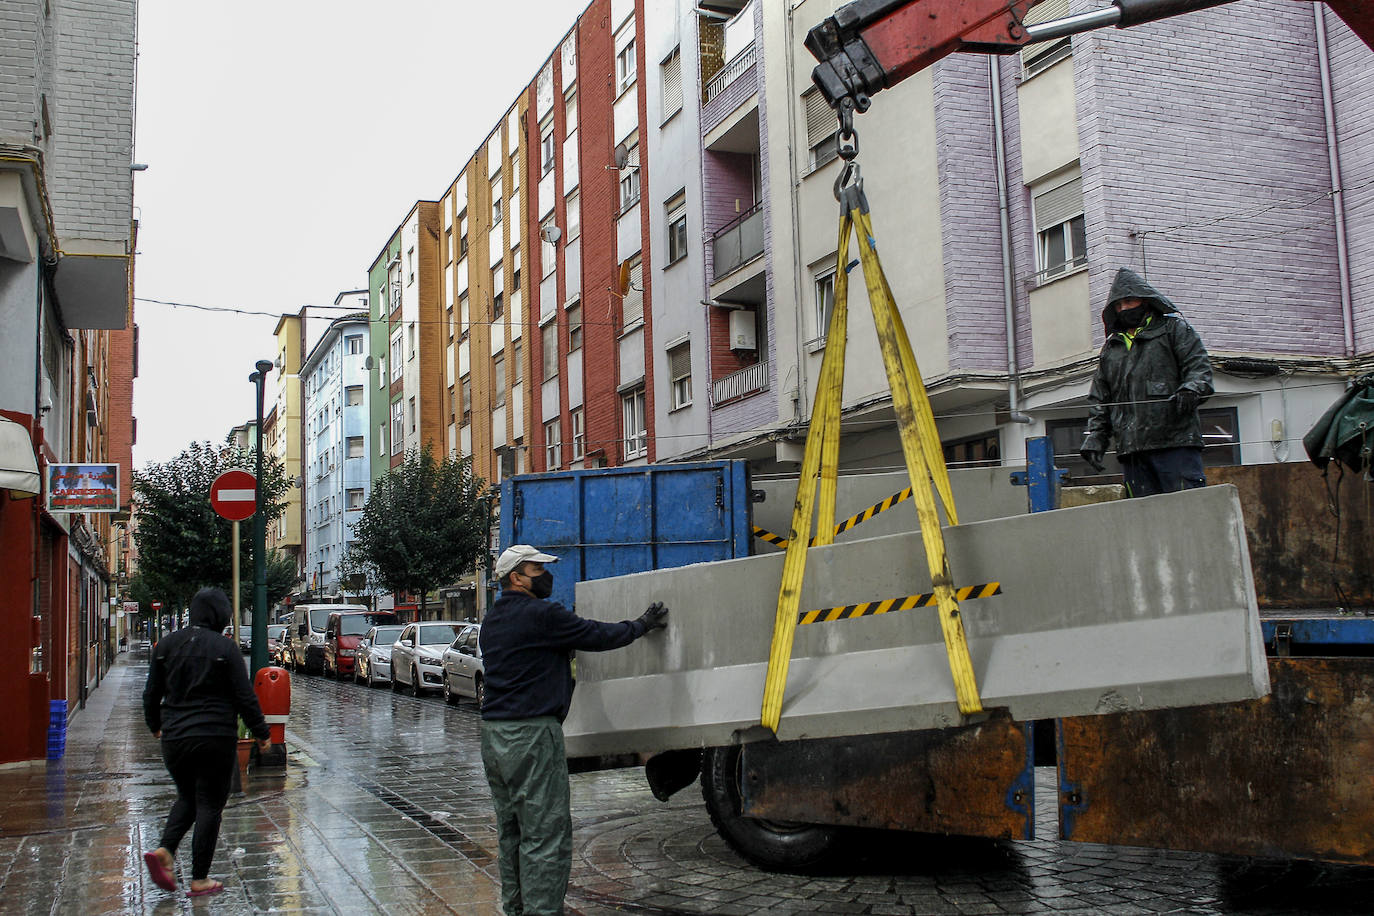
point(68, 352)
point(337, 440)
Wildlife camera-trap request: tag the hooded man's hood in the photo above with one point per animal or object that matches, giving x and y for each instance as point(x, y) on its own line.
point(1131, 285)
point(210, 609)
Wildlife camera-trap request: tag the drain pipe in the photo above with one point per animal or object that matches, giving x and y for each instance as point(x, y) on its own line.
point(1003, 207)
point(1337, 194)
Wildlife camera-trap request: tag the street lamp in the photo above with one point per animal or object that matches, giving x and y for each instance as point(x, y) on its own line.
point(259, 653)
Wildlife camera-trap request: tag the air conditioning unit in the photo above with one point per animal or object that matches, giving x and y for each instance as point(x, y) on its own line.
point(742, 331)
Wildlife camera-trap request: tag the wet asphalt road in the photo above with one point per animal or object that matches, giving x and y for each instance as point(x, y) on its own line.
point(384, 809)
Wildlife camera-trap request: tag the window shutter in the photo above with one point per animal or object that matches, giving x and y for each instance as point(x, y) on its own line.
point(820, 117)
point(632, 307)
point(672, 83)
point(679, 362)
point(1045, 11)
point(1058, 205)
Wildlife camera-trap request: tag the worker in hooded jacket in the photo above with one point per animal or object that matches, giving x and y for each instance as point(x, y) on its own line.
point(1151, 376)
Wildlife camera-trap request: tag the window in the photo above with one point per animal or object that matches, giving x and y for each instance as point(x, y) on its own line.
point(1038, 57)
point(574, 328)
point(981, 451)
point(553, 444)
point(515, 269)
point(680, 375)
point(452, 323)
point(672, 83)
point(398, 426)
point(821, 127)
point(570, 113)
point(547, 148)
point(452, 404)
point(498, 291)
point(496, 201)
point(410, 266)
point(410, 340)
point(574, 215)
point(355, 499)
point(549, 335)
point(579, 435)
point(353, 447)
point(677, 228)
point(1220, 436)
point(462, 233)
point(381, 440)
point(636, 436)
point(353, 396)
point(825, 301)
point(632, 306)
point(412, 414)
point(397, 355)
point(1066, 438)
point(516, 355)
point(466, 384)
point(629, 180)
point(625, 66)
point(462, 316)
point(498, 380)
point(1060, 233)
point(353, 344)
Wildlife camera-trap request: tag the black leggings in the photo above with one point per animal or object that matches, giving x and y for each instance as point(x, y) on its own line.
point(202, 769)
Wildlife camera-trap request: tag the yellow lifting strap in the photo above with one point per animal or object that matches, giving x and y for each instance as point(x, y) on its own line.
point(920, 447)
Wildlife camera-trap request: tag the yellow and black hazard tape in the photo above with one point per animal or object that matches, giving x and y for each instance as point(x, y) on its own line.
point(890, 605)
point(764, 534)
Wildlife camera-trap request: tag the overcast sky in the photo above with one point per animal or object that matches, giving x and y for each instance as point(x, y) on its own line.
point(285, 141)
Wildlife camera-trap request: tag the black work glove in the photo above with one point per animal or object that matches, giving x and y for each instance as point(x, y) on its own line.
point(1094, 458)
point(655, 617)
point(1185, 401)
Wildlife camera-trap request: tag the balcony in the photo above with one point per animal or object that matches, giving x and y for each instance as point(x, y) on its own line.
point(739, 384)
point(736, 67)
point(737, 243)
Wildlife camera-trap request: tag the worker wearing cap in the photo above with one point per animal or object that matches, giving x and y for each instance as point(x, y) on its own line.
point(526, 641)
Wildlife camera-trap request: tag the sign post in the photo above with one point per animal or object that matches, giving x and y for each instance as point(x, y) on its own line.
point(234, 496)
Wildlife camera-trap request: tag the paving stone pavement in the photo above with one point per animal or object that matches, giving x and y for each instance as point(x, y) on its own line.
point(384, 809)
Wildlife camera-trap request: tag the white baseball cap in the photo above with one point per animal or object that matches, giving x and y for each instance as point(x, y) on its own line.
point(516, 554)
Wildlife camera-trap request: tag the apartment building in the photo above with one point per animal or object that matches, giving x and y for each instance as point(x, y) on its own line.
point(68, 354)
point(283, 438)
point(337, 432)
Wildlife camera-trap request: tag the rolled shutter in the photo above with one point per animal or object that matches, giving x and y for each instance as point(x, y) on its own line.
point(1058, 205)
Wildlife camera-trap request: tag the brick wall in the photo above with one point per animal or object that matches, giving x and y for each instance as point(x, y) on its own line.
point(647, 211)
point(1212, 122)
point(432, 398)
point(25, 68)
point(1352, 84)
point(971, 229)
point(92, 114)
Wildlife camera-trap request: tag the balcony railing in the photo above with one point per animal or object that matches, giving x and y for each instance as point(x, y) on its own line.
point(738, 384)
point(738, 243)
point(732, 71)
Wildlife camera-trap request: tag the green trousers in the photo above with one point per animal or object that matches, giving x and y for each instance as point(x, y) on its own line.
point(527, 770)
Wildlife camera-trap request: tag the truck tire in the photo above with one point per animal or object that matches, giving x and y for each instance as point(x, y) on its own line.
point(771, 845)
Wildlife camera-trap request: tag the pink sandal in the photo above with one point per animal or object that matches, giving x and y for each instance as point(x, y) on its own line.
point(158, 872)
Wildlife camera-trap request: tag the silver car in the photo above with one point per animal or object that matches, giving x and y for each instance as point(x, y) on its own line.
point(373, 661)
point(416, 656)
point(462, 662)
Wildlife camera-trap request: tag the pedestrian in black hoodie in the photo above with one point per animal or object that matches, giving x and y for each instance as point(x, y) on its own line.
point(197, 690)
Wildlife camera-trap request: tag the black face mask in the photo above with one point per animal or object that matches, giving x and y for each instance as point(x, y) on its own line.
point(1131, 318)
point(541, 586)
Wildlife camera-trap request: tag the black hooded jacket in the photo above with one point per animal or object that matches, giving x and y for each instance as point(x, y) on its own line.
point(197, 683)
point(1130, 394)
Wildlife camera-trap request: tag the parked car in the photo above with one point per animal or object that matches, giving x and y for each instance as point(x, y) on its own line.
point(246, 637)
point(373, 654)
point(417, 655)
point(307, 643)
point(275, 633)
point(462, 664)
point(341, 636)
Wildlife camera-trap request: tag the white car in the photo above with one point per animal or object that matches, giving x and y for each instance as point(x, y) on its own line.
point(462, 662)
point(417, 655)
point(373, 661)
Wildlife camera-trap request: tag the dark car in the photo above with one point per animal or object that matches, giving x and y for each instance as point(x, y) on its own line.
point(342, 633)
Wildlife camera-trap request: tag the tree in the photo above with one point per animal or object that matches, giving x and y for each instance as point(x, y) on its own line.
point(424, 524)
point(183, 546)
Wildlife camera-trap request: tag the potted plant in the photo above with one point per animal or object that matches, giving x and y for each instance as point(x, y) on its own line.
point(245, 750)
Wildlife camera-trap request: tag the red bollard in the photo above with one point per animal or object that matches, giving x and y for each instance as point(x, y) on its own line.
point(273, 687)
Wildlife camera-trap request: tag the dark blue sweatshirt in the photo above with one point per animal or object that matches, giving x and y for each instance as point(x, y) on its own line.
point(525, 645)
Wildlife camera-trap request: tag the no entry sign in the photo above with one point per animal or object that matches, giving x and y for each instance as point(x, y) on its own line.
point(233, 495)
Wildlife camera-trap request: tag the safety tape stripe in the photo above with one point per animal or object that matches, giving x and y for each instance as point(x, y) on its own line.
point(889, 605)
point(764, 534)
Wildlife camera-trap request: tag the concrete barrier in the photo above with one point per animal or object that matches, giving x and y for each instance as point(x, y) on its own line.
point(1136, 604)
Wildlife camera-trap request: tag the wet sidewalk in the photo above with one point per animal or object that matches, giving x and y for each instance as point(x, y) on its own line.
point(72, 833)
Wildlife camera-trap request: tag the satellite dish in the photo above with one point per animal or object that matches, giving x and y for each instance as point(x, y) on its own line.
point(367, 362)
point(551, 234)
point(622, 155)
